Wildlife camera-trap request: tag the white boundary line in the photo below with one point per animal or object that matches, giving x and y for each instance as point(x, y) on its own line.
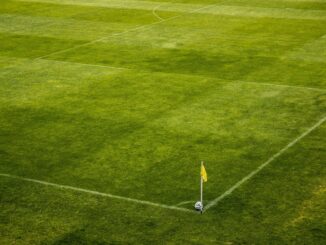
point(154, 12)
point(222, 79)
point(257, 170)
point(126, 31)
point(67, 187)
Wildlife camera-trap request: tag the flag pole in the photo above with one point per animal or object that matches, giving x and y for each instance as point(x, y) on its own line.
point(201, 189)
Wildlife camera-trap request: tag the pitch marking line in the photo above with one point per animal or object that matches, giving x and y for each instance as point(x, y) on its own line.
point(67, 187)
point(201, 76)
point(129, 30)
point(253, 173)
point(103, 38)
point(155, 14)
point(187, 202)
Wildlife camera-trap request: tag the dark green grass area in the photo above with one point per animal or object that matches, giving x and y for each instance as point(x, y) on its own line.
point(132, 112)
point(275, 207)
point(100, 124)
point(14, 45)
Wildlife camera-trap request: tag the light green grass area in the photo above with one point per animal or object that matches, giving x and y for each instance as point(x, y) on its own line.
point(124, 98)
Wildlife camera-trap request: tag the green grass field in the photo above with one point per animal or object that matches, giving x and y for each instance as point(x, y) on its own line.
point(107, 108)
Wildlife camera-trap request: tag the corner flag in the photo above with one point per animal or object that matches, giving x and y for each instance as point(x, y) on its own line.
point(199, 206)
point(203, 173)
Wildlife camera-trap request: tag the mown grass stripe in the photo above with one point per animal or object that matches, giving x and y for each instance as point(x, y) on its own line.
point(313, 51)
point(63, 28)
point(90, 65)
point(140, 5)
point(200, 76)
point(219, 9)
point(234, 81)
point(258, 12)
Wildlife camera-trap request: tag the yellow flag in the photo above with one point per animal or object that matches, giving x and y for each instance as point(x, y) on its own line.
point(203, 173)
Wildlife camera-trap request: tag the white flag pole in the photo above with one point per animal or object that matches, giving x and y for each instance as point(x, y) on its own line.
point(201, 188)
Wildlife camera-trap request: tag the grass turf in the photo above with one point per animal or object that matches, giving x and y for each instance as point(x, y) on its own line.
point(133, 113)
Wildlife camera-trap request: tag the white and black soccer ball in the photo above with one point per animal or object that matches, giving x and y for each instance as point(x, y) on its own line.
point(198, 206)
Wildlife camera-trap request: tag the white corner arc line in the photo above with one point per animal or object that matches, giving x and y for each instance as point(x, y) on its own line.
point(185, 202)
point(257, 170)
point(67, 187)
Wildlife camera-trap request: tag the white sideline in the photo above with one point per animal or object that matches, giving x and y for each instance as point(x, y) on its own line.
point(253, 173)
point(96, 193)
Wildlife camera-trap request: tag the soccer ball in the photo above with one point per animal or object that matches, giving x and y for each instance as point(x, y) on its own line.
point(198, 206)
